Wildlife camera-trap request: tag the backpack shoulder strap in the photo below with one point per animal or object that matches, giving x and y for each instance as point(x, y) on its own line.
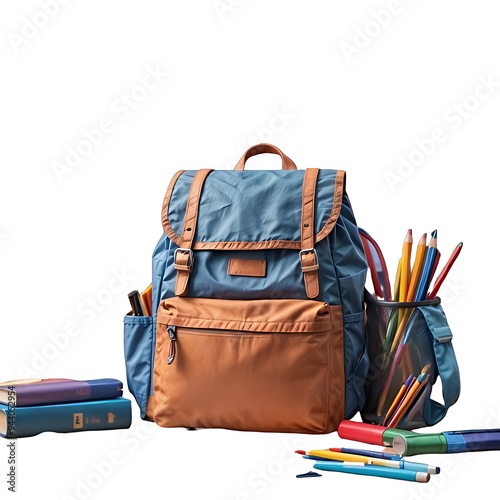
point(183, 256)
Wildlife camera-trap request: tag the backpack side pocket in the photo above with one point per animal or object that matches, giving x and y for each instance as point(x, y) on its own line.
point(138, 342)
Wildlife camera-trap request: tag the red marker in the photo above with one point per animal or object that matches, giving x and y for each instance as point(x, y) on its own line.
point(370, 433)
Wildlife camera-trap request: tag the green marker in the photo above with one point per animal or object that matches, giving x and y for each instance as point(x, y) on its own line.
point(409, 443)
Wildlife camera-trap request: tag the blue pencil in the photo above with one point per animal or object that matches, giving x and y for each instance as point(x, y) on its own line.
point(426, 276)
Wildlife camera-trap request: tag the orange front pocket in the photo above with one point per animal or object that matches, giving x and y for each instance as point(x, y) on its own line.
point(265, 365)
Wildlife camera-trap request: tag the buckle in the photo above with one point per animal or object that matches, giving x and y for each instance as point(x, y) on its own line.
point(187, 266)
point(313, 267)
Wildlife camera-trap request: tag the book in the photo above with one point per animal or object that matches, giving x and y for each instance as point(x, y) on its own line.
point(103, 414)
point(32, 392)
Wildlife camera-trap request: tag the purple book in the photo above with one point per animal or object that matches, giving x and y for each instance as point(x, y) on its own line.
point(53, 391)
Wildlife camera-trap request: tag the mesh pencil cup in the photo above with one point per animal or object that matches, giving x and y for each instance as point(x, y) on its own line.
point(409, 346)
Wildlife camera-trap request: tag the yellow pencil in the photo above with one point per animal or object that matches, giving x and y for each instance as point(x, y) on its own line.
point(417, 268)
point(351, 457)
point(405, 274)
point(405, 266)
point(397, 282)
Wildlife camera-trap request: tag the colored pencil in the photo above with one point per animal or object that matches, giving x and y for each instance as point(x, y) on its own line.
point(417, 268)
point(405, 266)
point(427, 270)
point(397, 400)
point(442, 275)
point(410, 397)
point(397, 282)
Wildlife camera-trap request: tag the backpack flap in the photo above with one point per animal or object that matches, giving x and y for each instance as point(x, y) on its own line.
point(221, 215)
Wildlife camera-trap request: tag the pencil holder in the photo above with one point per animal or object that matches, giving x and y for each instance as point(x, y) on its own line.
point(409, 346)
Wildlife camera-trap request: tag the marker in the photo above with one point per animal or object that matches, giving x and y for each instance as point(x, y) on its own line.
point(373, 470)
point(135, 303)
point(445, 442)
point(370, 433)
point(352, 457)
point(448, 442)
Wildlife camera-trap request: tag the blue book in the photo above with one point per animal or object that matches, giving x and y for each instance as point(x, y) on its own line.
point(30, 392)
point(104, 414)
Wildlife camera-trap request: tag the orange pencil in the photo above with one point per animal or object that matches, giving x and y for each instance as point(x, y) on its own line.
point(146, 300)
point(410, 397)
point(397, 400)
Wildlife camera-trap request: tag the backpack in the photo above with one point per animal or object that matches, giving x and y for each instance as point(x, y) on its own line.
point(257, 303)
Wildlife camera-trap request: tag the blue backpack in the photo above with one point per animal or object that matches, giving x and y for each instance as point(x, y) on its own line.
point(257, 303)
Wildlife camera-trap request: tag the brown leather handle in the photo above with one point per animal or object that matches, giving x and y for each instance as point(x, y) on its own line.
point(286, 163)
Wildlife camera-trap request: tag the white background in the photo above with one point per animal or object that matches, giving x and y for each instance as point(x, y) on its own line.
point(345, 85)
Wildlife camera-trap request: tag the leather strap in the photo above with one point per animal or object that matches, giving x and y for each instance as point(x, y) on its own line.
point(183, 256)
point(308, 256)
point(286, 163)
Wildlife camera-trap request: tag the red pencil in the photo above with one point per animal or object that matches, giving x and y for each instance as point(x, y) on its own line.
point(444, 272)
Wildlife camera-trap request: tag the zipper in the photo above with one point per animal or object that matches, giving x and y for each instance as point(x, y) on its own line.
point(172, 333)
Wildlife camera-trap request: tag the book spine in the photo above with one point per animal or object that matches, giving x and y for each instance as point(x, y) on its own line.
point(52, 393)
point(105, 388)
point(65, 392)
point(72, 417)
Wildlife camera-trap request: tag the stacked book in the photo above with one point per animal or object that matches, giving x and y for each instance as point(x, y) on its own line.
point(31, 406)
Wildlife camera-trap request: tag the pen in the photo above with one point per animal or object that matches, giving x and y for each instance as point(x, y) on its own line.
point(373, 470)
point(355, 457)
point(431, 469)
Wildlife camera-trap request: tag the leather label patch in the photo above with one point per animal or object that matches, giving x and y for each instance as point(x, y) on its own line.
point(247, 267)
